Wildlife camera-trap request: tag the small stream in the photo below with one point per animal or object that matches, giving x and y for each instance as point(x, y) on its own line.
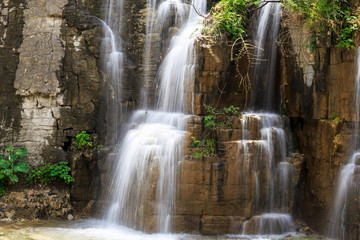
point(99, 230)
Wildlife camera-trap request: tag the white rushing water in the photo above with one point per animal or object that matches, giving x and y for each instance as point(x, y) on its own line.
point(263, 150)
point(144, 181)
point(266, 32)
point(96, 230)
point(113, 59)
point(348, 185)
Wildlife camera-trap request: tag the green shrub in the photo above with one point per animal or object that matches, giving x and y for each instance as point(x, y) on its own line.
point(326, 17)
point(231, 110)
point(10, 166)
point(83, 140)
point(228, 18)
point(207, 147)
point(209, 122)
point(51, 173)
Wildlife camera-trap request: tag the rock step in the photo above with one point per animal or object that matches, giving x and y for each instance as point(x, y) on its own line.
point(268, 223)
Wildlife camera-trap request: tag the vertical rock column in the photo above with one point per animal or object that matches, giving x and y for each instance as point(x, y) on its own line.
point(11, 25)
point(40, 60)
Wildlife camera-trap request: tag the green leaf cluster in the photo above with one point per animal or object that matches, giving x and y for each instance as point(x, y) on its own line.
point(10, 166)
point(51, 173)
point(228, 18)
point(211, 122)
point(207, 147)
point(231, 110)
point(83, 140)
point(326, 17)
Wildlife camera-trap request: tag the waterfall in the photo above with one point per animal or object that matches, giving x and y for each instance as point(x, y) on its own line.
point(346, 200)
point(265, 34)
point(264, 145)
point(263, 149)
point(113, 59)
point(142, 191)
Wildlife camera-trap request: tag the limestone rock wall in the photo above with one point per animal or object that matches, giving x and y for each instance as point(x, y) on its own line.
point(53, 83)
point(51, 76)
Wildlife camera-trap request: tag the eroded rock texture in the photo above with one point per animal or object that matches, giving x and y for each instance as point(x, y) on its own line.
point(54, 79)
point(51, 82)
point(318, 90)
point(36, 204)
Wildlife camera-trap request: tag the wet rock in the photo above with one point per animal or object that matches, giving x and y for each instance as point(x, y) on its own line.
point(357, 160)
point(70, 217)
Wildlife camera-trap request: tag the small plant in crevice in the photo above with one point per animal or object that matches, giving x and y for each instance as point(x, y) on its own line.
point(334, 116)
point(214, 121)
point(84, 140)
point(311, 44)
point(231, 110)
point(10, 166)
point(220, 118)
point(209, 122)
point(51, 173)
point(206, 147)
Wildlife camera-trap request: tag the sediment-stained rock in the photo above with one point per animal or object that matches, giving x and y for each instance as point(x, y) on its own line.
point(36, 204)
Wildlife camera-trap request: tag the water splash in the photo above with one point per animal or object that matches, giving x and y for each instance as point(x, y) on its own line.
point(269, 223)
point(147, 164)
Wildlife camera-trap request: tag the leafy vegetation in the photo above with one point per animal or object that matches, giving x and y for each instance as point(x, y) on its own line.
point(226, 23)
point(327, 17)
point(209, 122)
point(333, 116)
point(207, 147)
point(84, 140)
point(231, 110)
point(51, 173)
point(228, 18)
point(10, 166)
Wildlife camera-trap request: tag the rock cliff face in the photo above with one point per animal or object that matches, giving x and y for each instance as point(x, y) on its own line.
point(51, 82)
point(318, 90)
point(53, 86)
point(54, 80)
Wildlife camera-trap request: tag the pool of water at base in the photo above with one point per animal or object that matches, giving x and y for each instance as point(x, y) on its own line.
point(97, 230)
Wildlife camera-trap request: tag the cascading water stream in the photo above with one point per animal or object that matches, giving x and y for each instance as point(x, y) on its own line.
point(348, 187)
point(263, 145)
point(113, 59)
point(144, 182)
point(266, 31)
point(264, 156)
